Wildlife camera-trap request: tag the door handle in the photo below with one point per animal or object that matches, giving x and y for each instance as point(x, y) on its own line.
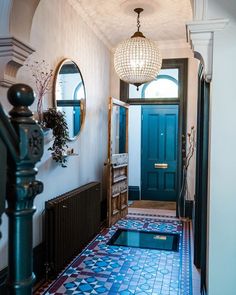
point(160, 165)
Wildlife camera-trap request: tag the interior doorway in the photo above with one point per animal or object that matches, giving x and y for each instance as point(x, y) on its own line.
point(167, 94)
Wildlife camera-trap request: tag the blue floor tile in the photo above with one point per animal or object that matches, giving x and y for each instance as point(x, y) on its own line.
point(104, 269)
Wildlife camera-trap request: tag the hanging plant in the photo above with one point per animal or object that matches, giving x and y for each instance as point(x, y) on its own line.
point(56, 121)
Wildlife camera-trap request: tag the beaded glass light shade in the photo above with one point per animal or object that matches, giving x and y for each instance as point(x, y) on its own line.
point(138, 59)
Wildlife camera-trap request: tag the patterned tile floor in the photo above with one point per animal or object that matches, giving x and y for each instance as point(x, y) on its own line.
point(104, 269)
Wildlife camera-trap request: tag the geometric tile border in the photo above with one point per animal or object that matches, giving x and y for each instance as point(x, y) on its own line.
point(105, 269)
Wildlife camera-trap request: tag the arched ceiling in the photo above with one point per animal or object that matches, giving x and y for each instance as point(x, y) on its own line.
point(162, 20)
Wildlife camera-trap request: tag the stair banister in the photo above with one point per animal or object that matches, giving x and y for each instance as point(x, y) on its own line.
point(21, 147)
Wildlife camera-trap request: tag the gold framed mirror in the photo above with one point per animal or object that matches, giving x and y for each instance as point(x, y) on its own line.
point(70, 96)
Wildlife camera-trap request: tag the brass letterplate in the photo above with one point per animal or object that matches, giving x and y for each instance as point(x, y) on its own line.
point(160, 165)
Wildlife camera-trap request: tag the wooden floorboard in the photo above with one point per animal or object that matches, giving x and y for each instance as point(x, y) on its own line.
point(154, 205)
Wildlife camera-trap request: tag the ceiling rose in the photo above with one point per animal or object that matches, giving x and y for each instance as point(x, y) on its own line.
point(149, 6)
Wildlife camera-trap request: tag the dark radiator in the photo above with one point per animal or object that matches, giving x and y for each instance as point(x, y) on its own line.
point(71, 221)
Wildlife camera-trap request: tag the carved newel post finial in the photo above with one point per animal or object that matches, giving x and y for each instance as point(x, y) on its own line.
point(22, 189)
point(20, 95)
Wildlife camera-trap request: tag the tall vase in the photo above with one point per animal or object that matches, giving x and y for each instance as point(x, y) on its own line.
point(40, 109)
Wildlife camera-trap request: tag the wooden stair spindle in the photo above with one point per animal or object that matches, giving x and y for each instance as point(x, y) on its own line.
point(23, 139)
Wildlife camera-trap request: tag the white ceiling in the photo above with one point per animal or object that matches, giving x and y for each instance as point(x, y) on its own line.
point(115, 20)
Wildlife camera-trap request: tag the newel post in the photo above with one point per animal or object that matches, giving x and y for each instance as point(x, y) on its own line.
point(21, 190)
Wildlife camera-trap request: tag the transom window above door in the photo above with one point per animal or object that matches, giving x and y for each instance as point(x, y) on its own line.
point(165, 86)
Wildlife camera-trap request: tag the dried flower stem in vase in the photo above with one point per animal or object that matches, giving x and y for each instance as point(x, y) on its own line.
point(42, 75)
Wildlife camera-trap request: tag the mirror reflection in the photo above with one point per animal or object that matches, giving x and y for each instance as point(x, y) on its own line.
point(70, 95)
point(118, 130)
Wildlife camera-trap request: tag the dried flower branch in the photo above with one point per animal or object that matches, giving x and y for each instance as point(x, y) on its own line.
point(42, 75)
point(184, 191)
point(191, 147)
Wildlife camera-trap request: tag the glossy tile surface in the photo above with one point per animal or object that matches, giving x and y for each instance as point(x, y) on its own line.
point(104, 269)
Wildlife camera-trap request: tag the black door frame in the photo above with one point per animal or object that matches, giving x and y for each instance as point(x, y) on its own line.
point(201, 189)
point(182, 65)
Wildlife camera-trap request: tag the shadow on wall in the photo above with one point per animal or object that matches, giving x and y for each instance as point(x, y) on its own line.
point(225, 8)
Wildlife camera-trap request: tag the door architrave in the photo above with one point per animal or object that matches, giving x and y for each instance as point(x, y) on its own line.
point(182, 65)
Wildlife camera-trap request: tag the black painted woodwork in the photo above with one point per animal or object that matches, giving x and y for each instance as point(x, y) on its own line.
point(189, 209)
point(39, 263)
point(134, 193)
point(71, 68)
point(182, 65)
point(3, 276)
point(3, 175)
point(103, 211)
point(200, 220)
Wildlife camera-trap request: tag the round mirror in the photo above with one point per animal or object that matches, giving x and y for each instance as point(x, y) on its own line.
point(69, 95)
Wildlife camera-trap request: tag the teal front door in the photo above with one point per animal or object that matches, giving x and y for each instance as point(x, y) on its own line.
point(159, 152)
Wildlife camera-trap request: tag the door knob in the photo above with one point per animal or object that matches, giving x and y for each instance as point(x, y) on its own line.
point(160, 165)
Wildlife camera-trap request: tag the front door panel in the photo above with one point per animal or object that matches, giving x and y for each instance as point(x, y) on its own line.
point(159, 152)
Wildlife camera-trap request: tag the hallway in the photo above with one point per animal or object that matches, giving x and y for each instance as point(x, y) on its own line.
point(60, 56)
point(106, 269)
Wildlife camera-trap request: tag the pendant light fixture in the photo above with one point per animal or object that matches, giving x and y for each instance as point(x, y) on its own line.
point(138, 59)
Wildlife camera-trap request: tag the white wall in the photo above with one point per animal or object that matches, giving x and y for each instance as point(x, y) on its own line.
point(192, 119)
point(114, 80)
point(134, 145)
point(58, 32)
point(222, 178)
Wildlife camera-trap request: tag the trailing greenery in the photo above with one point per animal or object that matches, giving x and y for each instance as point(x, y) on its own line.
point(56, 121)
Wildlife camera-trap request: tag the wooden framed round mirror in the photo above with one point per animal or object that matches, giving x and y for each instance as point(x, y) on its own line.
point(70, 96)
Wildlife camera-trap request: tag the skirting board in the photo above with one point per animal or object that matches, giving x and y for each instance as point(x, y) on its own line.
point(134, 193)
point(38, 267)
point(189, 209)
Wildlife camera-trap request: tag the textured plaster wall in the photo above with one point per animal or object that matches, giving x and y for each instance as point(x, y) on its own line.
point(58, 32)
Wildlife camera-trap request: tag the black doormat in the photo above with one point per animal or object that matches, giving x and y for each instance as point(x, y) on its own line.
point(146, 240)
